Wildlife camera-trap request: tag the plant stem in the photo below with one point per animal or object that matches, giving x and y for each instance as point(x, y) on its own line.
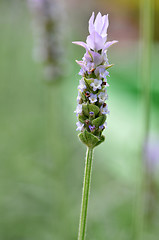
point(146, 35)
point(85, 194)
point(146, 23)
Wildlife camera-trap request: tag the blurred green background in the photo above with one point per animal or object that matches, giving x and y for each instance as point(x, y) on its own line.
point(42, 160)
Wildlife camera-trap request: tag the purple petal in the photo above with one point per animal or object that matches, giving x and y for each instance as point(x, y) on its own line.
point(91, 56)
point(91, 25)
point(97, 58)
point(82, 65)
point(108, 44)
point(100, 69)
point(88, 56)
point(95, 41)
point(105, 25)
point(82, 44)
point(98, 23)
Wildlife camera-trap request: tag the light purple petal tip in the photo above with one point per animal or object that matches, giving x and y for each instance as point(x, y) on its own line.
point(81, 64)
point(108, 44)
point(98, 23)
point(105, 25)
point(95, 41)
point(91, 24)
point(82, 44)
point(97, 58)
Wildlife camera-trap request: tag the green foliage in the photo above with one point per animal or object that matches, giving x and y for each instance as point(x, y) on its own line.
point(99, 121)
point(93, 108)
point(82, 118)
point(88, 138)
point(85, 109)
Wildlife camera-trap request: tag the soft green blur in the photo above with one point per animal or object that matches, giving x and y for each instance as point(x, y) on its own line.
point(42, 160)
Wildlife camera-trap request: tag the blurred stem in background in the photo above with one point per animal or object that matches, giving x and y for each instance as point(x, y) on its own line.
point(85, 194)
point(146, 35)
point(146, 39)
point(47, 21)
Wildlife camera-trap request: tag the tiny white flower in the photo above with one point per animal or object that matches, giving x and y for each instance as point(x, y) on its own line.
point(78, 97)
point(104, 110)
point(78, 109)
point(81, 72)
point(103, 96)
point(93, 98)
point(82, 85)
point(102, 72)
point(96, 84)
point(90, 67)
point(104, 54)
point(79, 126)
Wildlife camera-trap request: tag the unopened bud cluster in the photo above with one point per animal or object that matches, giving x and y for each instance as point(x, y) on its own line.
point(47, 30)
point(92, 108)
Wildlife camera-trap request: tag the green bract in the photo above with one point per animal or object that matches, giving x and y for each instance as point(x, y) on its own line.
point(89, 139)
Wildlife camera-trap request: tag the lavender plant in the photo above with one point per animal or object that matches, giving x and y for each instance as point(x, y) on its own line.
point(47, 30)
point(92, 110)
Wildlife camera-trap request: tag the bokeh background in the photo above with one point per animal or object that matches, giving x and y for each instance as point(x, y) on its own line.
point(42, 160)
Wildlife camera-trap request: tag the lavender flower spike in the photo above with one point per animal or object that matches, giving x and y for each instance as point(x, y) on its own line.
point(47, 29)
point(92, 88)
point(91, 107)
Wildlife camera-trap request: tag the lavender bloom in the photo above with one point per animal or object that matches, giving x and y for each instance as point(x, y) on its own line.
point(79, 126)
point(78, 97)
point(103, 96)
point(82, 85)
point(92, 89)
point(100, 25)
point(98, 34)
point(96, 84)
point(91, 114)
point(93, 98)
point(104, 110)
point(48, 36)
point(102, 72)
point(92, 128)
point(101, 127)
point(79, 109)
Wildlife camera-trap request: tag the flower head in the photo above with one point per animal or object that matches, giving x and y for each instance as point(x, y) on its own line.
point(100, 25)
point(47, 30)
point(91, 108)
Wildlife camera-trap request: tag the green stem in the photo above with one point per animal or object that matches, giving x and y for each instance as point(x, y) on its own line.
point(85, 194)
point(146, 23)
point(146, 35)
